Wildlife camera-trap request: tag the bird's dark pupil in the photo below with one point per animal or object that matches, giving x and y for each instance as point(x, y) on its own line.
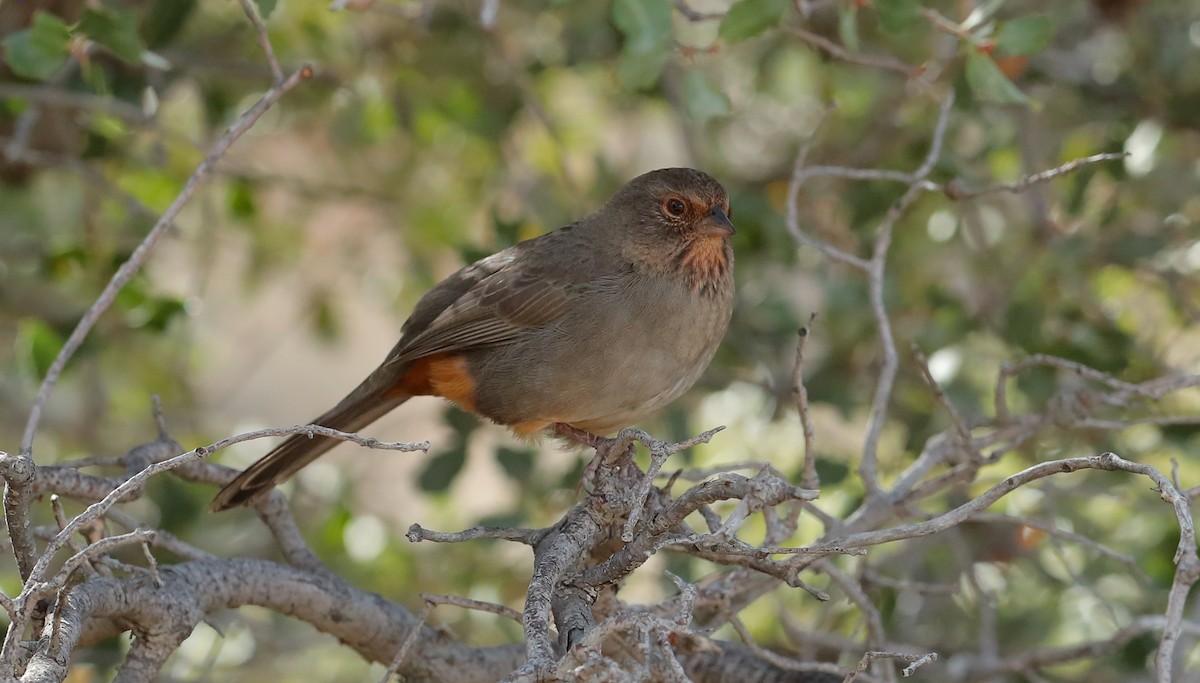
point(676, 206)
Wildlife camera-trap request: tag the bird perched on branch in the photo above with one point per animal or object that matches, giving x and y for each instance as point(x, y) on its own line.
point(592, 327)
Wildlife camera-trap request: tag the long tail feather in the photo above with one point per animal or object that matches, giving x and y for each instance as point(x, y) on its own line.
point(363, 406)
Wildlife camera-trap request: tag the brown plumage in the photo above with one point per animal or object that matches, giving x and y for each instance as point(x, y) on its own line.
point(594, 325)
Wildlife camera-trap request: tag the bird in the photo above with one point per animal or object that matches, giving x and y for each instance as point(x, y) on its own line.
point(591, 327)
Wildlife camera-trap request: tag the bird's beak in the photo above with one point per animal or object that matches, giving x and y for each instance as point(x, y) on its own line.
point(717, 224)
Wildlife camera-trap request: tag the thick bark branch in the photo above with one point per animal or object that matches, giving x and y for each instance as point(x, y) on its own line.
point(364, 621)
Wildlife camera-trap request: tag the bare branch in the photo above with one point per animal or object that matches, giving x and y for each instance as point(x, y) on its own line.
point(659, 452)
point(800, 174)
point(264, 40)
point(961, 430)
point(1051, 529)
point(770, 491)
point(101, 547)
point(408, 643)
point(61, 97)
point(965, 511)
point(839, 52)
point(38, 573)
point(131, 266)
point(956, 190)
point(781, 661)
point(417, 533)
point(875, 278)
point(19, 472)
point(478, 605)
point(800, 396)
point(692, 15)
point(871, 616)
point(875, 655)
point(375, 628)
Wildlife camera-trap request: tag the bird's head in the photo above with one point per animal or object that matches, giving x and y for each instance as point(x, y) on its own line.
point(677, 203)
point(678, 223)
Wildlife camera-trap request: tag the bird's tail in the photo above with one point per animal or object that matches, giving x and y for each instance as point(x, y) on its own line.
point(367, 403)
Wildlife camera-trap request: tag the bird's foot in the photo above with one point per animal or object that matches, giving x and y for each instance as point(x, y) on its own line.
point(609, 451)
point(579, 436)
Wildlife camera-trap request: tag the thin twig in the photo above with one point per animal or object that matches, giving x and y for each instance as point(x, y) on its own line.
point(961, 430)
point(61, 97)
point(100, 547)
point(957, 191)
point(875, 280)
point(873, 655)
point(417, 533)
point(809, 479)
point(800, 174)
point(1051, 529)
point(151, 562)
point(1105, 461)
point(659, 452)
point(135, 261)
point(94, 511)
point(23, 129)
point(876, 636)
point(407, 645)
point(264, 39)
point(839, 52)
point(695, 15)
point(781, 661)
point(477, 605)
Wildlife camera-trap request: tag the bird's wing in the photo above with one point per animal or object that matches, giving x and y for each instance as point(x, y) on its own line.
point(493, 302)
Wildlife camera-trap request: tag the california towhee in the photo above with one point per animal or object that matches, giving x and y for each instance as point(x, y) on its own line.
point(593, 326)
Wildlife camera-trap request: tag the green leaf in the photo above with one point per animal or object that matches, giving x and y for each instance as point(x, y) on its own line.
point(638, 71)
point(165, 20)
point(154, 188)
point(325, 321)
point(265, 7)
point(989, 83)
point(749, 18)
point(441, 470)
point(58, 264)
point(1024, 36)
point(155, 313)
point(830, 471)
point(40, 50)
point(166, 309)
point(462, 422)
point(115, 30)
point(848, 26)
point(646, 24)
point(896, 16)
point(39, 344)
point(108, 126)
point(242, 202)
point(982, 13)
point(517, 464)
point(701, 99)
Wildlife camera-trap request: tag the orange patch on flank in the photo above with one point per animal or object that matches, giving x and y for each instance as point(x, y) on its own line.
point(443, 374)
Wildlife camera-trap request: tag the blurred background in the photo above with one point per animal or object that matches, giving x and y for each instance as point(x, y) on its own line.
point(437, 132)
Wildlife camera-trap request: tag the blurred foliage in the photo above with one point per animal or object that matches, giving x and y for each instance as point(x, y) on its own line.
point(435, 133)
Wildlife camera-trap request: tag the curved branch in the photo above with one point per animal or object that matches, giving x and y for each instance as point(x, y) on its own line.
point(372, 626)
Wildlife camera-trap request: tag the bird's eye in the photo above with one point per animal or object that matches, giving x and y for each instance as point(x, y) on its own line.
point(675, 206)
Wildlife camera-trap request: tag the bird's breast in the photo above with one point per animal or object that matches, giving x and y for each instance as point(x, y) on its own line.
point(621, 353)
point(704, 263)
